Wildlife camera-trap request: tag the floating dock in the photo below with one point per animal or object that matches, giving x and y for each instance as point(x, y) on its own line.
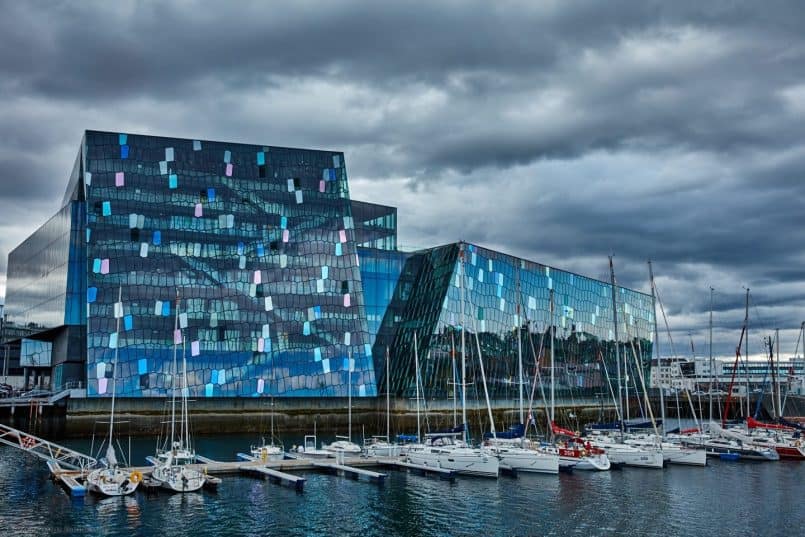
point(69, 482)
point(276, 476)
point(351, 471)
point(442, 473)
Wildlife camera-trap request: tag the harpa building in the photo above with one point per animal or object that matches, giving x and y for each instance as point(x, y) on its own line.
point(282, 285)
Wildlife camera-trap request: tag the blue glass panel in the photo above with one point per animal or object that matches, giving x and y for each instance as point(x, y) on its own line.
point(128, 322)
point(92, 292)
point(166, 308)
point(122, 139)
point(107, 208)
point(157, 238)
point(211, 194)
point(173, 181)
point(124, 151)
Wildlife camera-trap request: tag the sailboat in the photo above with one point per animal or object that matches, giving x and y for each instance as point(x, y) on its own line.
point(309, 448)
point(381, 446)
point(112, 480)
point(617, 450)
point(573, 452)
point(510, 447)
point(782, 438)
point(172, 470)
point(444, 449)
point(267, 451)
point(673, 452)
point(344, 444)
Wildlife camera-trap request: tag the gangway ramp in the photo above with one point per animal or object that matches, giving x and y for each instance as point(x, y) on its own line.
point(44, 449)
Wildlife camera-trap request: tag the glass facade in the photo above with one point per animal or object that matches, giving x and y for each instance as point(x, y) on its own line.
point(283, 286)
point(375, 225)
point(500, 294)
point(37, 275)
point(34, 353)
point(257, 242)
point(380, 272)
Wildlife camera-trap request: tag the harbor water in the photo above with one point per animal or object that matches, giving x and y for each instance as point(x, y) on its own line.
point(725, 498)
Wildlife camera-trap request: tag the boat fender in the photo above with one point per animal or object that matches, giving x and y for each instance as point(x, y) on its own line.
point(136, 476)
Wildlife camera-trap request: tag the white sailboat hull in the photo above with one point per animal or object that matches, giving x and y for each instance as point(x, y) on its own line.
point(526, 460)
point(594, 463)
point(111, 482)
point(267, 453)
point(383, 450)
point(465, 461)
point(343, 446)
point(633, 456)
point(681, 455)
point(178, 478)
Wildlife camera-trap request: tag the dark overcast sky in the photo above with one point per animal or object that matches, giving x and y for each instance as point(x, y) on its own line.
point(555, 130)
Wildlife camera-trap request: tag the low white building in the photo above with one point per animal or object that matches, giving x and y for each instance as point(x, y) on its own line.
point(699, 374)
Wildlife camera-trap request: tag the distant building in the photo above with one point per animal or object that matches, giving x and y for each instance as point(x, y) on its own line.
point(697, 375)
point(285, 286)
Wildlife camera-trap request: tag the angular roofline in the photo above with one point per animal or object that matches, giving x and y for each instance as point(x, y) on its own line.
point(422, 250)
point(92, 131)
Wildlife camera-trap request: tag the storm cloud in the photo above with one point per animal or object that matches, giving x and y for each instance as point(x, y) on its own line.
point(562, 132)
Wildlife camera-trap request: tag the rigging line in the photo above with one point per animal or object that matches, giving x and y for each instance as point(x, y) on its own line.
point(676, 362)
point(537, 376)
point(609, 382)
point(565, 369)
point(643, 383)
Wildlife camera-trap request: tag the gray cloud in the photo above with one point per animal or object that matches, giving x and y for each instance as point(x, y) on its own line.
point(562, 132)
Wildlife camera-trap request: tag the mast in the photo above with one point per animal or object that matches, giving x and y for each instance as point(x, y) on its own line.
point(553, 382)
point(746, 352)
point(416, 367)
point(185, 417)
point(175, 371)
point(388, 399)
point(349, 396)
point(774, 372)
point(712, 369)
point(617, 350)
point(455, 384)
point(775, 393)
point(519, 347)
point(463, 349)
point(114, 363)
point(657, 347)
point(483, 378)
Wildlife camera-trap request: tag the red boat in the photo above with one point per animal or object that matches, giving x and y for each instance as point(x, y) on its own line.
point(786, 447)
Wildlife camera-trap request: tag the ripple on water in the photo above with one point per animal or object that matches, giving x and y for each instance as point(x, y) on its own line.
point(724, 498)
